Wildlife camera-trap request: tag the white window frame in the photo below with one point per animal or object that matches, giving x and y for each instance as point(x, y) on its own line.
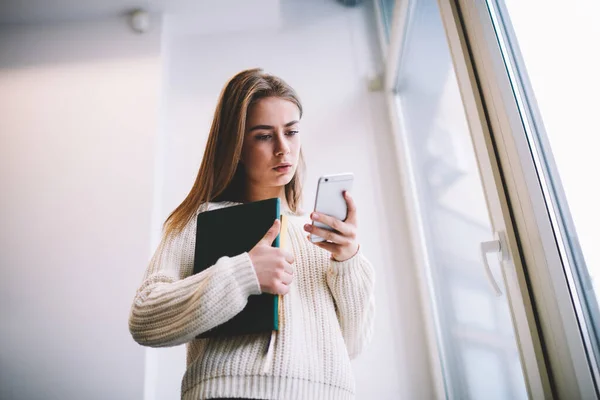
point(557, 315)
point(391, 51)
point(551, 349)
point(522, 312)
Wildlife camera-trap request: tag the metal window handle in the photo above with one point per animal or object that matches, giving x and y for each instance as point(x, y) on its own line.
point(497, 246)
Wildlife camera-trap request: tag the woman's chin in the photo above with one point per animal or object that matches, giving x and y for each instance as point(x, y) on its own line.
point(283, 179)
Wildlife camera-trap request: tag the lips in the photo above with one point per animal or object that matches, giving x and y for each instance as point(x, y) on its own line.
point(283, 167)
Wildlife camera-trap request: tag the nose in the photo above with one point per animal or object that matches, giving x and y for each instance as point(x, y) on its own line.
point(281, 147)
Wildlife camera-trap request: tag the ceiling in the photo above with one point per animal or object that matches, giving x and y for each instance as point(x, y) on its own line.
point(50, 11)
point(33, 12)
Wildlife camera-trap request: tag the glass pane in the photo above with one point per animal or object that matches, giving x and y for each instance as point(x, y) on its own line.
point(476, 338)
point(387, 13)
point(555, 75)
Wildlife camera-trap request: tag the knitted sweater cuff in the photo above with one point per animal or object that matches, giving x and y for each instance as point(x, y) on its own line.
point(244, 273)
point(346, 266)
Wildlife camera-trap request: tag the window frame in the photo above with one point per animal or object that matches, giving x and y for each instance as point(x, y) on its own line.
point(391, 57)
point(557, 315)
point(552, 349)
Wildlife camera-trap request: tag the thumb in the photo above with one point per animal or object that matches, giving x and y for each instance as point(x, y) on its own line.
point(271, 234)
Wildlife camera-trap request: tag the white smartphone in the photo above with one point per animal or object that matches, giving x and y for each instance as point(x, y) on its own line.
point(330, 199)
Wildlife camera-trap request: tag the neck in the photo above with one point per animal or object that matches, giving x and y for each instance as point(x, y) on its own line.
point(257, 194)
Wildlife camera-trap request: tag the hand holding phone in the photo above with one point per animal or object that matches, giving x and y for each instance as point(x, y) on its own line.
point(334, 225)
point(330, 200)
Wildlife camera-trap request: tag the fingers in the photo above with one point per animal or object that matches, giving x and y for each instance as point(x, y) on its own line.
point(330, 247)
point(288, 269)
point(351, 217)
point(329, 235)
point(335, 223)
point(346, 227)
point(272, 233)
point(279, 279)
point(289, 257)
point(282, 289)
point(285, 265)
point(286, 278)
point(285, 274)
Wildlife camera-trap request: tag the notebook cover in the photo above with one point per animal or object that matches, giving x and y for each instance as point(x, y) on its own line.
point(231, 231)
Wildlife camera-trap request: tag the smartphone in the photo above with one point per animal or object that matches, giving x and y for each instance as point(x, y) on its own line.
point(330, 199)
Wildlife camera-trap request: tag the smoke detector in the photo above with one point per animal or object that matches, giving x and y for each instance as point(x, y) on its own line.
point(139, 20)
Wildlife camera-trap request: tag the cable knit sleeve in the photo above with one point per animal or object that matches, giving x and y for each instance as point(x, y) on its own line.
point(352, 284)
point(172, 306)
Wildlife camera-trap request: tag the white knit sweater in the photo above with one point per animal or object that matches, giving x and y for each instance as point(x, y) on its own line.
point(327, 319)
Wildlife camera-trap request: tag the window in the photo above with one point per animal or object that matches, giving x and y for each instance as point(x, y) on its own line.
point(554, 74)
point(493, 103)
point(476, 340)
point(386, 8)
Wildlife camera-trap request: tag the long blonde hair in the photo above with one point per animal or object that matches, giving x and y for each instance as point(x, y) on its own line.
point(221, 176)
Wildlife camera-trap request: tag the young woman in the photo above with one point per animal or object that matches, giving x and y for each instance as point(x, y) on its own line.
point(254, 153)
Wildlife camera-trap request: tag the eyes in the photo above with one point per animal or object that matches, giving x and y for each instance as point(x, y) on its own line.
point(266, 137)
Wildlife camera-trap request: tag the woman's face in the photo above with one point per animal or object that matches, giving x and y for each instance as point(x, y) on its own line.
point(271, 142)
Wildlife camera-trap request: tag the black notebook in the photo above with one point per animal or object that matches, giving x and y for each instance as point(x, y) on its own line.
point(231, 231)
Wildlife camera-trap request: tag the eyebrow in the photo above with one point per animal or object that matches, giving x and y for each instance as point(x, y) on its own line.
point(269, 127)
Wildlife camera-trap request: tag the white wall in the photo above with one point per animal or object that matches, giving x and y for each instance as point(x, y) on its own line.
point(78, 106)
point(82, 171)
point(325, 51)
